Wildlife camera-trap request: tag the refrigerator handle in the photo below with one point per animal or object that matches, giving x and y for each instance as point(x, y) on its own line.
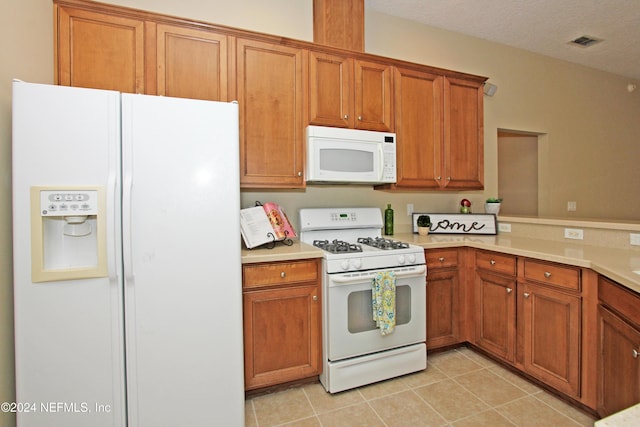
point(127, 188)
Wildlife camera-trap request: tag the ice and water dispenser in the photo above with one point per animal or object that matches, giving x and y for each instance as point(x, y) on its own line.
point(68, 233)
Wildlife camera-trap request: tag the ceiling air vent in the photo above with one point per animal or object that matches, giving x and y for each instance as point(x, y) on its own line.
point(585, 41)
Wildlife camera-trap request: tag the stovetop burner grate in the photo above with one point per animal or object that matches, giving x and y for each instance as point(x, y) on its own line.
point(382, 243)
point(337, 246)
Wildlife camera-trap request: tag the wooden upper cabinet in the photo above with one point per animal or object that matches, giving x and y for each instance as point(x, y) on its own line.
point(350, 93)
point(463, 135)
point(191, 63)
point(418, 110)
point(270, 91)
point(98, 50)
point(330, 90)
point(373, 96)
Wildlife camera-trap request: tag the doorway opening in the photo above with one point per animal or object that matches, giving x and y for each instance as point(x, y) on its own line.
point(518, 172)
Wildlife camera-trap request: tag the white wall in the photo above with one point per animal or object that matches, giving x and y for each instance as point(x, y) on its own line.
point(591, 121)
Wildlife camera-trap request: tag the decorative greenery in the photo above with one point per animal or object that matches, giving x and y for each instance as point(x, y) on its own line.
point(494, 200)
point(424, 221)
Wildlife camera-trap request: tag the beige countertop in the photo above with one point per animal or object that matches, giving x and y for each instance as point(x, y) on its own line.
point(617, 264)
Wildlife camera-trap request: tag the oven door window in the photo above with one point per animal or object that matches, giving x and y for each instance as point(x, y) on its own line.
point(360, 310)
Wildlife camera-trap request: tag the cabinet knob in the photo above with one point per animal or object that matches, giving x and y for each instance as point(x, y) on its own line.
point(346, 116)
point(509, 290)
point(315, 297)
point(635, 353)
point(299, 173)
point(448, 178)
point(547, 274)
point(438, 178)
point(283, 274)
point(359, 117)
point(441, 259)
point(492, 262)
point(526, 294)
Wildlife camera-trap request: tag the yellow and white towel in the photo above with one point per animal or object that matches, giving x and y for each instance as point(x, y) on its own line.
point(383, 299)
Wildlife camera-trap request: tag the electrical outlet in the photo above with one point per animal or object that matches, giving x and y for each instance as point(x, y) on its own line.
point(573, 233)
point(504, 227)
point(409, 209)
point(571, 206)
point(634, 239)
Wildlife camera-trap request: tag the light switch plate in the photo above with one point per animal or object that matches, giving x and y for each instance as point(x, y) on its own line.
point(504, 227)
point(634, 239)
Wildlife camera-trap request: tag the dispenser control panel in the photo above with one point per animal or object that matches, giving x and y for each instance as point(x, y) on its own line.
point(68, 202)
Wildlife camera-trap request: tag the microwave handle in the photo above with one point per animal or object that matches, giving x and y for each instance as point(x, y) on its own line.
point(381, 154)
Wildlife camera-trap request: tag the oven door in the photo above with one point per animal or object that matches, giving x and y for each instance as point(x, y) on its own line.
point(351, 330)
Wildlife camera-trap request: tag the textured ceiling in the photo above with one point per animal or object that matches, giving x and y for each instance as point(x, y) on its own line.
point(541, 26)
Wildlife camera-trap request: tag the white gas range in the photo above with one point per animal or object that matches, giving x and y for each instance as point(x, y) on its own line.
point(355, 352)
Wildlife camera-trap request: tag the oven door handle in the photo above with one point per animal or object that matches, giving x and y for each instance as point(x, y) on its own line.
point(416, 271)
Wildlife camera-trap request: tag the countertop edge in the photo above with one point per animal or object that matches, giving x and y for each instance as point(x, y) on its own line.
point(616, 264)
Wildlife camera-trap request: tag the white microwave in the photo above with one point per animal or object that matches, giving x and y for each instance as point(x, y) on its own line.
point(350, 156)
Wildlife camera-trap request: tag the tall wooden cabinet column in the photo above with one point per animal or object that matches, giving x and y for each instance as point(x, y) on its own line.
point(270, 90)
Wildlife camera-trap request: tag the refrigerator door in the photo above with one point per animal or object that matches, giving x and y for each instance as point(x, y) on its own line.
point(69, 343)
point(181, 252)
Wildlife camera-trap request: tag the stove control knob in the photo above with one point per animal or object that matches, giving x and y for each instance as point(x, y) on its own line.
point(412, 258)
point(357, 263)
point(401, 259)
point(344, 264)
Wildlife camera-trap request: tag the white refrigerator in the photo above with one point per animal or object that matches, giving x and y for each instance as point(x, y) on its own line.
point(127, 270)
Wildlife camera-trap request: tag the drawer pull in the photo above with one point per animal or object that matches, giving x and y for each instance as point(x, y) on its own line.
point(509, 290)
point(526, 294)
point(441, 259)
point(547, 274)
point(635, 353)
point(283, 274)
point(492, 262)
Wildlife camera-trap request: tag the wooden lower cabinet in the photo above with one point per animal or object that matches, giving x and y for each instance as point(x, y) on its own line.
point(495, 314)
point(619, 363)
point(551, 336)
point(618, 348)
point(282, 322)
point(443, 298)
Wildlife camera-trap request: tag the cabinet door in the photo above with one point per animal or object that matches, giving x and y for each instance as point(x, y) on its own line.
point(463, 130)
point(442, 308)
point(191, 63)
point(100, 51)
point(330, 90)
point(270, 93)
point(495, 314)
point(418, 118)
point(281, 335)
point(373, 92)
point(552, 336)
point(618, 363)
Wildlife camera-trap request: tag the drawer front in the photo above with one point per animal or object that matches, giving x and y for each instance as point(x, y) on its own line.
point(498, 263)
point(553, 274)
point(441, 258)
point(619, 299)
point(279, 273)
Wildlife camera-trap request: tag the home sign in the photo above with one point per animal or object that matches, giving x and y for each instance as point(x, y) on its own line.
point(458, 223)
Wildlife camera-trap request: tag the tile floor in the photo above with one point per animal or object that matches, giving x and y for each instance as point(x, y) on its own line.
point(459, 388)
